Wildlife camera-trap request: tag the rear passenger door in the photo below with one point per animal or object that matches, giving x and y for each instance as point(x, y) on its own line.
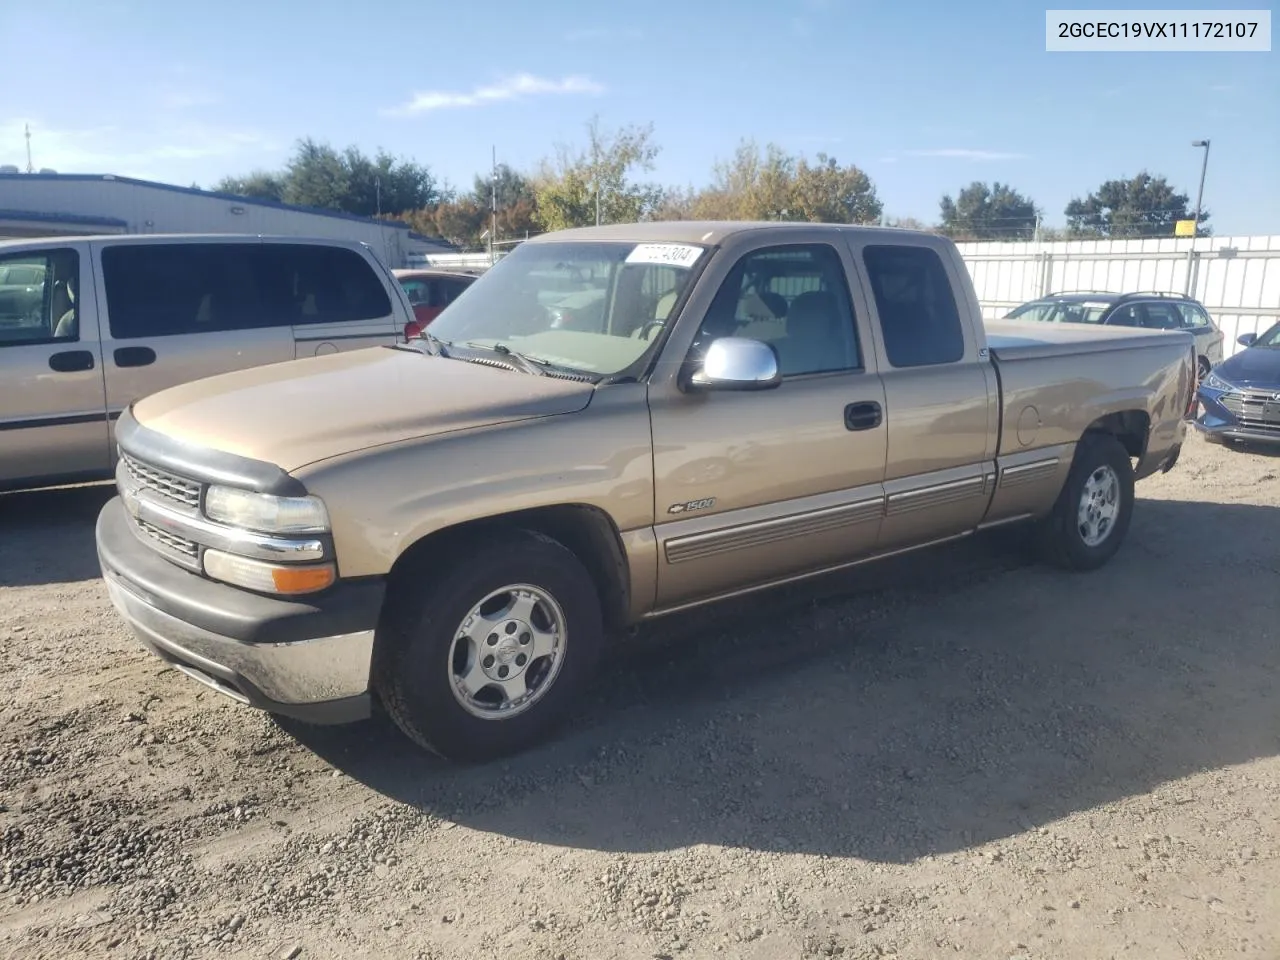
point(941, 398)
point(53, 421)
point(333, 296)
point(1196, 321)
point(181, 310)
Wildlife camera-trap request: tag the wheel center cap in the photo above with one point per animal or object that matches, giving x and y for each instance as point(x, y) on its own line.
point(508, 650)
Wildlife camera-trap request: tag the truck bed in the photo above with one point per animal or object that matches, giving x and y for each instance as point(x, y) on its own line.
point(1051, 390)
point(1028, 339)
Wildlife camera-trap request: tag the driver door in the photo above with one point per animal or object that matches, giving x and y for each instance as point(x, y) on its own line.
point(753, 487)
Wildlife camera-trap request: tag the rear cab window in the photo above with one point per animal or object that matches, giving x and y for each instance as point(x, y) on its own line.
point(919, 319)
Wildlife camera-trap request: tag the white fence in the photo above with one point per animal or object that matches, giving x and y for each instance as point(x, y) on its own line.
point(1236, 278)
point(454, 261)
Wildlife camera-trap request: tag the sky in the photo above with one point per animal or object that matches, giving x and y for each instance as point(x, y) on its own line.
point(926, 96)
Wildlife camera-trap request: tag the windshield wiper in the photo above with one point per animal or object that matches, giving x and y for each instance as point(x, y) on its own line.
point(530, 364)
point(527, 364)
point(435, 346)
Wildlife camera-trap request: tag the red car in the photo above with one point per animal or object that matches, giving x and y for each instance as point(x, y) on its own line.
point(430, 291)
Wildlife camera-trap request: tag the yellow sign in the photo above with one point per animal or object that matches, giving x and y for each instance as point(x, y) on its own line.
point(1184, 228)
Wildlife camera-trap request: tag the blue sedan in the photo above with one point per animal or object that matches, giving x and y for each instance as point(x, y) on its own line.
point(1240, 397)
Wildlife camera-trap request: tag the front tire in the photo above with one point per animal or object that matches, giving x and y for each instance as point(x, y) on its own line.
point(1092, 513)
point(486, 660)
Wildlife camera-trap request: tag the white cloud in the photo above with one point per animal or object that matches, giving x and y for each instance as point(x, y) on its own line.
point(133, 152)
point(509, 88)
point(961, 153)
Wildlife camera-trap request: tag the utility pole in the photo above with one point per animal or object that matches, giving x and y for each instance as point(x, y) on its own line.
point(1204, 166)
point(377, 187)
point(493, 202)
point(30, 166)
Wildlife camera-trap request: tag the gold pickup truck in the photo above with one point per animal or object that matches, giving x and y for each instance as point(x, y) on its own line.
point(612, 424)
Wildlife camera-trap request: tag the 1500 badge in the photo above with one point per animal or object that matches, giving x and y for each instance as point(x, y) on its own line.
point(691, 505)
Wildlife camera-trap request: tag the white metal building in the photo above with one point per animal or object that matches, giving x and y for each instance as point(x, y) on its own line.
point(52, 204)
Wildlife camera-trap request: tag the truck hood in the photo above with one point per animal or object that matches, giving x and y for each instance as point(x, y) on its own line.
point(301, 411)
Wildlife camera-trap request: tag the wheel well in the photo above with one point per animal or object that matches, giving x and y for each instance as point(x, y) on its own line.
point(585, 530)
point(1130, 427)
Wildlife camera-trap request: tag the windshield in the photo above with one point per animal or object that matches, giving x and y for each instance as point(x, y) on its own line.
point(1059, 311)
point(595, 307)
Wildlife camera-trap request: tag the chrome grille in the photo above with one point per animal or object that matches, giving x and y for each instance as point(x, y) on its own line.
point(169, 541)
point(168, 485)
point(1259, 411)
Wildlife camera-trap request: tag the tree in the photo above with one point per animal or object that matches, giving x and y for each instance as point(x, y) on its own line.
point(676, 203)
point(382, 185)
point(258, 185)
point(1146, 206)
point(317, 175)
point(516, 200)
point(909, 223)
point(750, 186)
point(775, 185)
point(996, 212)
point(825, 192)
point(461, 222)
point(571, 188)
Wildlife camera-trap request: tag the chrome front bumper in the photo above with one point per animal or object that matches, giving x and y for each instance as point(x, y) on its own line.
point(324, 680)
point(308, 659)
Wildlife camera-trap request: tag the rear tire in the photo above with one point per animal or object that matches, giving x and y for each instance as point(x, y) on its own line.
point(487, 658)
point(1092, 513)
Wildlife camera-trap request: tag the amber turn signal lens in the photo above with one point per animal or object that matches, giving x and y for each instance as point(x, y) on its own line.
point(302, 579)
point(268, 577)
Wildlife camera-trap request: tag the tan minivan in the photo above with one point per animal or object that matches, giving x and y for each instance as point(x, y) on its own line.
point(90, 324)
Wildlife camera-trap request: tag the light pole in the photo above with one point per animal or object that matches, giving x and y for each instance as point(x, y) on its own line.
point(1204, 166)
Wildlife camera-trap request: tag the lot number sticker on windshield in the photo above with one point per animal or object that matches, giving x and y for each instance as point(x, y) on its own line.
point(672, 254)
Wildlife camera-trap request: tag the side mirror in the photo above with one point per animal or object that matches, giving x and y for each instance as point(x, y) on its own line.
point(738, 363)
point(1246, 339)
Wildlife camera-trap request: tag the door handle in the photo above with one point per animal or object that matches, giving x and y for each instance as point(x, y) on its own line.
point(134, 356)
point(71, 361)
point(862, 416)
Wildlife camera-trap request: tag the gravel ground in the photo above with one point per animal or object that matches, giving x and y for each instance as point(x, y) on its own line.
point(957, 753)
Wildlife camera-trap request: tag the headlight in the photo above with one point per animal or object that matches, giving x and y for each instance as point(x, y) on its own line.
point(268, 577)
point(1215, 382)
point(264, 512)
